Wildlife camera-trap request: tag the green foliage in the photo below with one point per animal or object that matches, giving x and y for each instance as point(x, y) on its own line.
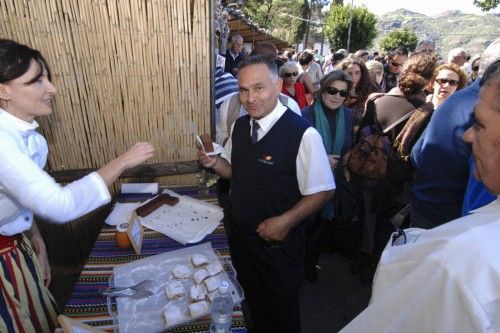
point(399, 38)
point(486, 5)
point(272, 15)
point(301, 30)
point(363, 29)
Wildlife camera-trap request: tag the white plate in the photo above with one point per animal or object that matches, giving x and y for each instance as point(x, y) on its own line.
point(189, 221)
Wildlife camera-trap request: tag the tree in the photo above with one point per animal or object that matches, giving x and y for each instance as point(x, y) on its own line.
point(277, 16)
point(313, 13)
point(486, 5)
point(317, 15)
point(363, 29)
point(399, 38)
point(302, 30)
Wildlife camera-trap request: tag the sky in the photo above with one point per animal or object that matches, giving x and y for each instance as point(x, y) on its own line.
point(427, 7)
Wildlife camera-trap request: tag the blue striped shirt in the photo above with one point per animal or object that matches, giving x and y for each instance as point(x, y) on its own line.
point(225, 85)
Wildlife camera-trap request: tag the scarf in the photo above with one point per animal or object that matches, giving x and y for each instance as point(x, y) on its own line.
point(407, 137)
point(333, 146)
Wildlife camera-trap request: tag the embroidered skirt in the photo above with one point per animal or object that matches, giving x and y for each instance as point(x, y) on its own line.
point(26, 305)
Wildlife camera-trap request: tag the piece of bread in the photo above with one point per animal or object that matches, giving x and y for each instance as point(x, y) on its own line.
point(214, 268)
point(174, 315)
point(151, 206)
point(198, 292)
point(175, 290)
point(212, 282)
point(198, 309)
point(199, 259)
point(181, 272)
point(207, 143)
point(200, 275)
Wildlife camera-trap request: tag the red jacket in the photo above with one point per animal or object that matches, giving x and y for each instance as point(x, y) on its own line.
point(300, 94)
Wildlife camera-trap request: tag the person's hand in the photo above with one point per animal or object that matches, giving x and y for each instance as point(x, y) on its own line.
point(206, 160)
point(334, 160)
point(136, 155)
point(41, 252)
point(274, 229)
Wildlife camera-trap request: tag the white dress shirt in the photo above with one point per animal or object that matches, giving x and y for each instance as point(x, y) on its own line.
point(26, 189)
point(314, 173)
point(445, 279)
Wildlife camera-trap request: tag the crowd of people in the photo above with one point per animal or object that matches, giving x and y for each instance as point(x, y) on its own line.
point(407, 110)
point(375, 143)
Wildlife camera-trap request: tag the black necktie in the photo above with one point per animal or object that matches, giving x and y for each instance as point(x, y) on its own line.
point(255, 128)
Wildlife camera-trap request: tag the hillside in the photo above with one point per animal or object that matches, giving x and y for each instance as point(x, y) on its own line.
point(449, 30)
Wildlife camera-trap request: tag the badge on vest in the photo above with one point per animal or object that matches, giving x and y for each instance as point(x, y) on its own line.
point(266, 159)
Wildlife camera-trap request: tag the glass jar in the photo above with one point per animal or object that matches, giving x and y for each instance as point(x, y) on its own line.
point(121, 236)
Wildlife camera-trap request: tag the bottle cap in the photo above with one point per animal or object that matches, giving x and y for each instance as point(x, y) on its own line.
point(223, 287)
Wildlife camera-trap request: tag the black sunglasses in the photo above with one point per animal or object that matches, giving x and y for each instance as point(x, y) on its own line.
point(290, 74)
point(395, 64)
point(334, 91)
point(444, 81)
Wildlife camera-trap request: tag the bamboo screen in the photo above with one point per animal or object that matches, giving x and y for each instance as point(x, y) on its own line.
point(126, 71)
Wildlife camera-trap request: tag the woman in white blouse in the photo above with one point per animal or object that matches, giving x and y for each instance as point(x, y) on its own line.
point(26, 92)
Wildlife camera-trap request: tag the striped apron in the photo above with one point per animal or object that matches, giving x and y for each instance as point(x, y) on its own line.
point(26, 305)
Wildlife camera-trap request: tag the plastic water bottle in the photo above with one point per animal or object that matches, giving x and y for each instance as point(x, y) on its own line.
point(222, 310)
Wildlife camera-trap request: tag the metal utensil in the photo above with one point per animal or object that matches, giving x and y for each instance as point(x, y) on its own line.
point(140, 290)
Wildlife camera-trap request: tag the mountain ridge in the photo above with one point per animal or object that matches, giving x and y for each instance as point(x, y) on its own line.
point(447, 29)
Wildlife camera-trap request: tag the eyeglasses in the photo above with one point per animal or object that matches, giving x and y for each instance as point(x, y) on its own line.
point(444, 81)
point(398, 238)
point(290, 74)
point(395, 64)
point(475, 68)
point(334, 91)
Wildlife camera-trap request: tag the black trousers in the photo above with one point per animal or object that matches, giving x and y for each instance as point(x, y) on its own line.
point(271, 277)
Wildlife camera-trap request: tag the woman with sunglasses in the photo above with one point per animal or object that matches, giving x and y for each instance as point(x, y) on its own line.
point(26, 92)
point(291, 87)
point(447, 79)
point(331, 118)
point(334, 122)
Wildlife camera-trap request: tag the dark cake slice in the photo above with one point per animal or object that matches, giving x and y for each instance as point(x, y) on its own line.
point(151, 206)
point(207, 143)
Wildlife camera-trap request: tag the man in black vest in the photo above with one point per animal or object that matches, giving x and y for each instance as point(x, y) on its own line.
point(281, 176)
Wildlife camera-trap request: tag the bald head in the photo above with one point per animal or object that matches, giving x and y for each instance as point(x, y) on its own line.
point(457, 56)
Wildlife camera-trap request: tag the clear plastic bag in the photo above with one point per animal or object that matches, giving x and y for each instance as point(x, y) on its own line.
point(146, 315)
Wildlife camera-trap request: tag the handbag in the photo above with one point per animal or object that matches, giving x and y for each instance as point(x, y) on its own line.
point(368, 157)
